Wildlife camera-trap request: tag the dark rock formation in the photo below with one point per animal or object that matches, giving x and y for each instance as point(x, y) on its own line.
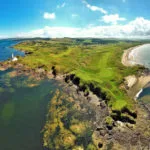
point(118, 116)
point(28, 53)
point(72, 76)
point(126, 110)
point(76, 81)
point(54, 72)
point(67, 79)
point(97, 91)
point(100, 145)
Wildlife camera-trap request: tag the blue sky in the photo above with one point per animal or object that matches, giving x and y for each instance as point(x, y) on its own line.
point(75, 18)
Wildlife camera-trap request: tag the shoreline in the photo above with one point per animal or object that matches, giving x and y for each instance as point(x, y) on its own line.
point(138, 82)
point(138, 94)
point(126, 59)
point(105, 129)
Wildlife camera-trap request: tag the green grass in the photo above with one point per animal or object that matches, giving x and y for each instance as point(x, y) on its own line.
point(92, 63)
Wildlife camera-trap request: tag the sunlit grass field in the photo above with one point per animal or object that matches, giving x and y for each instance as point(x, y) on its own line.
point(93, 61)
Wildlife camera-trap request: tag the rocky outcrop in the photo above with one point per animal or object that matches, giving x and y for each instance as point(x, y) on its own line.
point(119, 116)
point(76, 81)
point(126, 110)
point(54, 72)
point(125, 115)
point(86, 87)
point(28, 53)
point(106, 125)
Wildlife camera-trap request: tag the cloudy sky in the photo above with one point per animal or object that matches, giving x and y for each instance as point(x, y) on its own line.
point(75, 18)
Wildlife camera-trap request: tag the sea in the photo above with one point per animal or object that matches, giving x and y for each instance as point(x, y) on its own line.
point(23, 105)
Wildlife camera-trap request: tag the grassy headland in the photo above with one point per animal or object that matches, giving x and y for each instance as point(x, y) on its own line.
point(94, 66)
point(92, 62)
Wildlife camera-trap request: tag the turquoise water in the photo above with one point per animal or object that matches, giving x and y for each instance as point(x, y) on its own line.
point(23, 107)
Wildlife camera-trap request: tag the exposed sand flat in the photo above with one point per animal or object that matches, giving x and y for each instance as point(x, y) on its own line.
point(136, 84)
point(143, 81)
point(131, 80)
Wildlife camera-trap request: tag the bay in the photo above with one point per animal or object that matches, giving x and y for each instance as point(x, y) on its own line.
point(23, 106)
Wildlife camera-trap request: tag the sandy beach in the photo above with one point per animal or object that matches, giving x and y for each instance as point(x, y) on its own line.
point(128, 58)
point(134, 83)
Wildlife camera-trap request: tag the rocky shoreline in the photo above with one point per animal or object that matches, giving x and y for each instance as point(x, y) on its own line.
point(117, 133)
point(112, 129)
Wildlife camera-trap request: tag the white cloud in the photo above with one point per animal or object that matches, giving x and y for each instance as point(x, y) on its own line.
point(62, 5)
point(94, 8)
point(49, 15)
point(113, 18)
point(138, 28)
point(74, 15)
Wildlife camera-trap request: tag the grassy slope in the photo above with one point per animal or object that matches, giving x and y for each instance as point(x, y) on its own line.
point(89, 60)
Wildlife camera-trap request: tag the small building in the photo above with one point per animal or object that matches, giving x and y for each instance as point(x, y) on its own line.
point(14, 58)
